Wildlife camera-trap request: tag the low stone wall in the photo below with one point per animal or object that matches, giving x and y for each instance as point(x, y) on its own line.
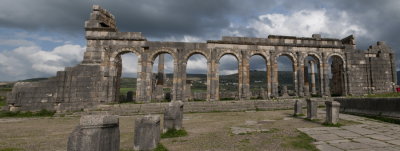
point(372, 106)
point(220, 106)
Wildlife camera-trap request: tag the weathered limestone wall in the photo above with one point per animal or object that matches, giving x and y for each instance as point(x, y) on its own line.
point(96, 79)
point(371, 106)
point(206, 106)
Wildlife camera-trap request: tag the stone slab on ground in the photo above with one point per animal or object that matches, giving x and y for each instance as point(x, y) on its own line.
point(370, 135)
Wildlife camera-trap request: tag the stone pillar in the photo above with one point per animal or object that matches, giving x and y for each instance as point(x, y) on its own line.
point(312, 106)
point(298, 108)
point(173, 116)
point(147, 132)
point(269, 79)
point(306, 86)
point(274, 83)
point(160, 74)
point(244, 81)
point(332, 112)
point(149, 81)
point(300, 74)
point(141, 82)
point(313, 85)
point(95, 133)
point(284, 92)
point(213, 87)
point(325, 75)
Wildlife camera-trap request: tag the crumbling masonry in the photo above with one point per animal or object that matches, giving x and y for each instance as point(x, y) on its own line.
point(96, 79)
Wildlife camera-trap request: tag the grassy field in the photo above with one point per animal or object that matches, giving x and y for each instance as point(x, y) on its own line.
point(205, 131)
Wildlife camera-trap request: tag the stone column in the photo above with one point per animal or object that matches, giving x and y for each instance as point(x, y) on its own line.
point(95, 133)
point(298, 108)
point(325, 68)
point(141, 86)
point(332, 112)
point(161, 75)
point(274, 77)
point(214, 81)
point(173, 116)
point(149, 79)
point(313, 85)
point(210, 89)
point(269, 81)
point(244, 67)
point(300, 74)
point(147, 132)
point(312, 106)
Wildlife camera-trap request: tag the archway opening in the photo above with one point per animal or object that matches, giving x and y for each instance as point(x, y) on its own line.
point(258, 77)
point(228, 78)
point(312, 80)
point(286, 86)
point(336, 76)
point(196, 78)
point(162, 78)
point(127, 65)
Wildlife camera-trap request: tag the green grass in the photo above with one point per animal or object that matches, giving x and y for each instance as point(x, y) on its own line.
point(160, 147)
point(332, 125)
point(11, 149)
point(174, 133)
point(381, 95)
point(2, 101)
point(294, 115)
point(301, 141)
point(226, 99)
point(5, 89)
point(41, 113)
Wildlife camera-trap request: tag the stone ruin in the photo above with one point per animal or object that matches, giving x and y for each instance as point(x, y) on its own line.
point(96, 79)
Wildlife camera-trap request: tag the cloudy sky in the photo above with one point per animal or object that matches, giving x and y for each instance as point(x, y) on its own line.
point(40, 37)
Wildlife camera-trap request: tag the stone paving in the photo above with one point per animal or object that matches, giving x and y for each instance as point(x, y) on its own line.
point(370, 135)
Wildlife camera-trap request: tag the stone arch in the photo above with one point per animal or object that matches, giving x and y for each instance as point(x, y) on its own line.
point(337, 55)
point(316, 56)
point(337, 68)
point(313, 76)
point(115, 69)
point(125, 50)
point(260, 53)
point(260, 90)
point(229, 52)
point(187, 88)
point(290, 55)
point(172, 51)
point(193, 52)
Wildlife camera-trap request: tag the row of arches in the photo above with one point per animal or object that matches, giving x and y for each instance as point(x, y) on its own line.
point(197, 75)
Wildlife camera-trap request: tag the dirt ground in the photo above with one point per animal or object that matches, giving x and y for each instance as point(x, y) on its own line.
point(206, 131)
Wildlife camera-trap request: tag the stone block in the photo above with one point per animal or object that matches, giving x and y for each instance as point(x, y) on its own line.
point(147, 132)
point(312, 106)
point(332, 112)
point(298, 107)
point(95, 133)
point(173, 116)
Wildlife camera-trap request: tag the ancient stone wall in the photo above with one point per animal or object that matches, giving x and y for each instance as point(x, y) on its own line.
point(96, 79)
point(371, 106)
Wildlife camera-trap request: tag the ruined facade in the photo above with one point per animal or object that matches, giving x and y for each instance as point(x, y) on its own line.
point(96, 79)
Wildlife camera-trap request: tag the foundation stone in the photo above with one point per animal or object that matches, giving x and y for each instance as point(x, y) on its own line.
point(95, 133)
point(312, 106)
point(332, 112)
point(173, 116)
point(147, 132)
